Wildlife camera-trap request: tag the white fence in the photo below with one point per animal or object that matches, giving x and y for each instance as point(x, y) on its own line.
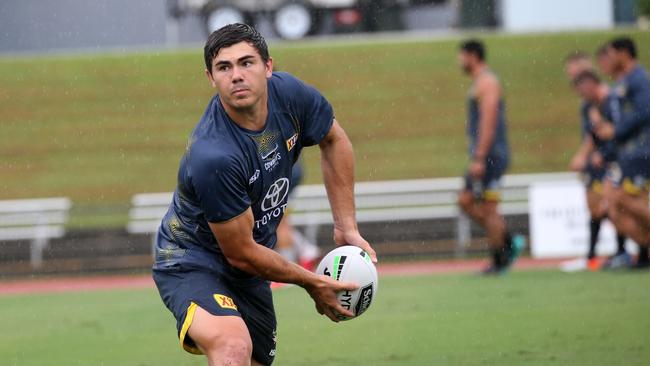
point(383, 201)
point(38, 220)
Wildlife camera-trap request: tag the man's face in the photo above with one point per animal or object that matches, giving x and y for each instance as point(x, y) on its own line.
point(616, 58)
point(573, 68)
point(240, 75)
point(588, 90)
point(605, 64)
point(466, 61)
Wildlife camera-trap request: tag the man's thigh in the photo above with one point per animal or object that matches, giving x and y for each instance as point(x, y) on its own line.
point(184, 292)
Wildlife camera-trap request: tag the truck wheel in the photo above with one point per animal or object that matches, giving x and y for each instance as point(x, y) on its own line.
point(293, 20)
point(222, 16)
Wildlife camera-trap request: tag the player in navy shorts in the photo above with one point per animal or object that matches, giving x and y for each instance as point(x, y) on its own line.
point(595, 157)
point(214, 251)
point(489, 157)
point(629, 210)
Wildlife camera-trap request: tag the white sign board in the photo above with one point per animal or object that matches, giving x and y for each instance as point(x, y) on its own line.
point(554, 15)
point(559, 222)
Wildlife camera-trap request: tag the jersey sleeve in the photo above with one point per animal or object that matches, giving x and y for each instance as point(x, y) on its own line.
point(639, 113)
point(313, 111)
point(220, 185)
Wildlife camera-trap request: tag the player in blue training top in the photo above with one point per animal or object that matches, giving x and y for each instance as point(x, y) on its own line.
point(214, 252)
point(629, 209)
point(595, 157)
point(489, 157)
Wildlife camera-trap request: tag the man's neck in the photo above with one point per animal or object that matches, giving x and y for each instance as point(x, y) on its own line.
point(478, 70)
point(252, 118)
point(627, 68)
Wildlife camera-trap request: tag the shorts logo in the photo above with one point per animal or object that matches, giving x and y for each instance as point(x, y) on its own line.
point(276, 194)
point(225, 301)
point(291, 142)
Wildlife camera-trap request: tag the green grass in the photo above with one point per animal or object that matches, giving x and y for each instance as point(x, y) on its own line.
point(99, 128)
point(532, 318)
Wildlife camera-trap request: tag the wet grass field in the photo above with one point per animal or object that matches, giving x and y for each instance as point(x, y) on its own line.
point(529, 317)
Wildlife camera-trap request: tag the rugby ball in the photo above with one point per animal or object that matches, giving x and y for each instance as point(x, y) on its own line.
point(351, 264)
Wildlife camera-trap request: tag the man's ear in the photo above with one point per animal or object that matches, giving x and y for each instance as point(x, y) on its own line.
point(210, 78)
point(269, 68)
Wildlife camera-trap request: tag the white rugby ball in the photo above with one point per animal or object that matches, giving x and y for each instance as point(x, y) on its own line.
point(351, 264)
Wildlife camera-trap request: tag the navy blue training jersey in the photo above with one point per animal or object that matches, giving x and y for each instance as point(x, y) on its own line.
point(226, 169)
point(499, 149)
point(610, 111)
point(633, 130)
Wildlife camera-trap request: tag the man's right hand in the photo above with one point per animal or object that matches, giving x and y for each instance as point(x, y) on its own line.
point(578, 163)
point(323, 291)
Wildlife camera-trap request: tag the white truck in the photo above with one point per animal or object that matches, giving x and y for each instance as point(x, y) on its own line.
point(291, 19)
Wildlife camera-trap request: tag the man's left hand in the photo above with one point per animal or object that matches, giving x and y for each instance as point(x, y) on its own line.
point(353, 237)
point(604, 131)
point(477, 169)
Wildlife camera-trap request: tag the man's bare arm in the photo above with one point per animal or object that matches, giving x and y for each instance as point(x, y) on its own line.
point(579, 160)
point(488, 93)
point(337, 163)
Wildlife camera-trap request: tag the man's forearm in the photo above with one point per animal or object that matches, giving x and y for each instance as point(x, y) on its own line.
point(337, 163)
point(266, 263)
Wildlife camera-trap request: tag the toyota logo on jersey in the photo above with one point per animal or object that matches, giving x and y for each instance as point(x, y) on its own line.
point(276, 194)
point(273, 205)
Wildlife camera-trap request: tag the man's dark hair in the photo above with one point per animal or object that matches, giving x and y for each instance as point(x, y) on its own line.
point(576, 55)
point(474, 47)
point(587, 75)
point(232, 34)
point(625, 44)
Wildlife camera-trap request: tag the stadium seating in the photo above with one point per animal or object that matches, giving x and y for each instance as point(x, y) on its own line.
point(37, 220)
point(382, 201)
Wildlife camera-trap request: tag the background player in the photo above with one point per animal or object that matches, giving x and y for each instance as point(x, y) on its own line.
point(594, 158)
point(575, 63)
point(489, 157)
point(214, 256)
point(629, 201)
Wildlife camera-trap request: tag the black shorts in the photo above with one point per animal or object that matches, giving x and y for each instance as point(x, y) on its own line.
point(183, 290)
point(632, 175)
point(488, 188)
point(594, 177)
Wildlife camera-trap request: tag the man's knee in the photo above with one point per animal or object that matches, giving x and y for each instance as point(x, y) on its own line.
point(237, 350)
point(222, 338)
point(228, 350)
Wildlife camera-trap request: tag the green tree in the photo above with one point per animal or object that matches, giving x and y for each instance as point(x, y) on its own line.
point(643, 7)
